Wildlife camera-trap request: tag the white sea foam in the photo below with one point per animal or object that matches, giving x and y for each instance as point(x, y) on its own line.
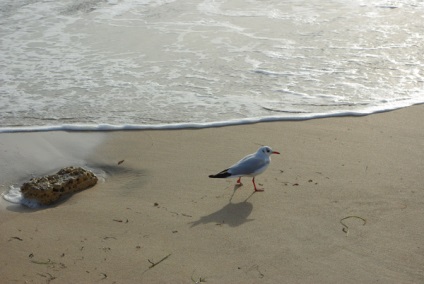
point(14, 195)
point(108, 65)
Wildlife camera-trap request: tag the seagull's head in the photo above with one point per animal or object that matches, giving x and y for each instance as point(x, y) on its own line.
point(266, 150)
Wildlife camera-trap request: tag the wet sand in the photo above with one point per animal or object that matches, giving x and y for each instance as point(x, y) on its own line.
point(158, 218)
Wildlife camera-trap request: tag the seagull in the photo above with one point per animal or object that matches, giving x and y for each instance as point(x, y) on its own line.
point(251, 166)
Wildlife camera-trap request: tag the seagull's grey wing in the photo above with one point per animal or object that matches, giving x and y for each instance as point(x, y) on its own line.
point(250, 156)
point(247, 166)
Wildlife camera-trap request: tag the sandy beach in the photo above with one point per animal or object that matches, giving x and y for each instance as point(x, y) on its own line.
point(343, 203)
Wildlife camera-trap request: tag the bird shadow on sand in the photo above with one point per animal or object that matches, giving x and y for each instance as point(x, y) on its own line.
point(232, 214)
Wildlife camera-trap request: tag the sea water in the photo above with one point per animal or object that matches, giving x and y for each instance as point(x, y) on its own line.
point(134, 64)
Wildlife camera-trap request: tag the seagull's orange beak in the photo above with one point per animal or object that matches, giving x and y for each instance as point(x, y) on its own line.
point(275, 152)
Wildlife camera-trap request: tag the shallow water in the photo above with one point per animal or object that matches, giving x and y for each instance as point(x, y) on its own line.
point(133, 64)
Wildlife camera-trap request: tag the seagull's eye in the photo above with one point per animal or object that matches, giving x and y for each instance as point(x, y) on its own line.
point(268, 150)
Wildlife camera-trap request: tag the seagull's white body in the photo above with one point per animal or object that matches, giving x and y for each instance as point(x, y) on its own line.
point(251, 166)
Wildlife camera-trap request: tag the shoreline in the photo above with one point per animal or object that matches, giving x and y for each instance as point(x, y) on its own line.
point(159, 206)
point(199, 125)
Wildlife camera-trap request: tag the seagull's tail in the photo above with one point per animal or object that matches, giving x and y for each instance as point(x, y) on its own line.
point(223, 174)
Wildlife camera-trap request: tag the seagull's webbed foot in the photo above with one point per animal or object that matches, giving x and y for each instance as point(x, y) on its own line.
point(254, 185)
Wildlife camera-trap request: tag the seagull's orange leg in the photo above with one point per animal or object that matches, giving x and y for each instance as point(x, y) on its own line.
point(239, 181)
point(254, 184)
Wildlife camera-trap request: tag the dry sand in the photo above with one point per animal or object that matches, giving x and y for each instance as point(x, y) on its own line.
point(158, 218)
